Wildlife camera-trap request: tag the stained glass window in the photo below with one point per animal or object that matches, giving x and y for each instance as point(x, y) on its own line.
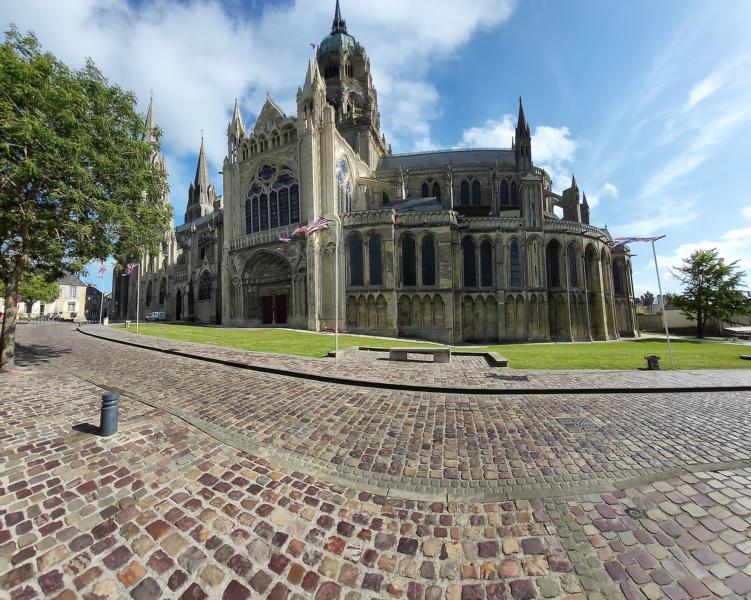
point(572, 270)
point(283, 207)
point(355, 261)
point(375, 268)
point(504, 193)
point(273, 200)
point(470, 268)
point(427, 250)
point(264, 203)
point(514, 198)
point(409, 271)
point(476, 193)
point(465, 193)
point(274, 205)
point(486, 264)
point(515, 279)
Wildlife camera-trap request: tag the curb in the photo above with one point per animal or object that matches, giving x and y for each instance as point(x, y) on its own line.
point(493, 391)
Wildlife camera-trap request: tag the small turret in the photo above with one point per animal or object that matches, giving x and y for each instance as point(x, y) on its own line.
point(235, 135)
point(570, 202)
point(522, 141)
point(201, 194)
point(584, 208)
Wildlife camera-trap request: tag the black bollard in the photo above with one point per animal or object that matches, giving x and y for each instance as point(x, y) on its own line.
point(108, 420)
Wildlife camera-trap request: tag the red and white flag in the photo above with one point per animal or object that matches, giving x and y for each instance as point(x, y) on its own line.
point(129, 268)
point(317, 225)
point(101, 271)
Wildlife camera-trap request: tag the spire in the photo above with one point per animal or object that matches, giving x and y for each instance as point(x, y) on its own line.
point(202, 170)
point(584, 201)
point(237, 127)
point(521, 121)
point(573, 182)
point(339, 25)
point(150, 122)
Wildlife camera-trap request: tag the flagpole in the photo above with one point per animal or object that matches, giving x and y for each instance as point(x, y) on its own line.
point(336, 291)
point(662, 302)
point(138, 293)
point(101, 304)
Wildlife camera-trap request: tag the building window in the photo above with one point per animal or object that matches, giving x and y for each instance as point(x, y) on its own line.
point(572, 270)
point(436, 190)
point(374, 260)
point(617, 279)
point(355, 261)
point(514, 264)
point(424, 190)
point(204, 286)
point(71, 307)
point(162, 292)
point(486, 264)
point(409, 275)
point(464, 194)
point(273, 200)
point(504, 193)
point(427, 250)
point(476, 193)
point(554, 271)
point(470, 268)
point(149, 294)
point(514, 198)
point(343, 186)
point(73, 292)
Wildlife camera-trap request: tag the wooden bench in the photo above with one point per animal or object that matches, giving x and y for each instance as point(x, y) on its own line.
point(440, 355)
point(745, 356)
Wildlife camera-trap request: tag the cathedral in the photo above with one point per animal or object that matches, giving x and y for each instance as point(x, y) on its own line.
point(455, 246)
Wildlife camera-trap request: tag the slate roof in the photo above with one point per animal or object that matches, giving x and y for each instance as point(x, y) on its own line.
point(416, 205)
point(70, 279)
point(441, 158)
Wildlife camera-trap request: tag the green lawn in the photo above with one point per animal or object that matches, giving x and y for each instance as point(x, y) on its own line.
point(599, 355)
point(279, 341)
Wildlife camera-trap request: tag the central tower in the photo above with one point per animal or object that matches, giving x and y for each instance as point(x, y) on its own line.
point(349, 89)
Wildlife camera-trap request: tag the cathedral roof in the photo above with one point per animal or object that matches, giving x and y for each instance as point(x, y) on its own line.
point(440, 158)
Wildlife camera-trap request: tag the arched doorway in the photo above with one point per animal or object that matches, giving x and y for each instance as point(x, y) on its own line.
point(266, 287)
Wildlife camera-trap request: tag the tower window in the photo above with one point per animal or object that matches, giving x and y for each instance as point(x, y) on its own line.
point(436, 190)
point(476, 193)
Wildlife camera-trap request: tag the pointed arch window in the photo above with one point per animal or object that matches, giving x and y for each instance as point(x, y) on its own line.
point(427, 252)
point(486, 264)
point(573, 271)
point(476, 193)
point(436, 190)
point(204, 286)
point(343, 186)
point(617, 278)
point(355, 261)
point(553, 265)
point(424, 190)
point(464, 193)
point(375, 267)
point(149, 294)
point(273, 200)
point(514, 197)
point(162, 292)
point(515, 275)
point(504, 193)
point(409, 274)
point(469, 258)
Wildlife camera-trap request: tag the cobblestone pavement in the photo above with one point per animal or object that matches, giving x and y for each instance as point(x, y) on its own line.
point(174, 509)
point(463, 371)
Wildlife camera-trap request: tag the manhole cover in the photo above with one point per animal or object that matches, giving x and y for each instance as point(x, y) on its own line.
point(577, 424)
point(634, 513)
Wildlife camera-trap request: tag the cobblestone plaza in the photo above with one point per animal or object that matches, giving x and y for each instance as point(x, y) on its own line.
point(325, 481)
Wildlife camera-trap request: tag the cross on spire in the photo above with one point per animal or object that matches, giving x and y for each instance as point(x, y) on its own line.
point(339, 25)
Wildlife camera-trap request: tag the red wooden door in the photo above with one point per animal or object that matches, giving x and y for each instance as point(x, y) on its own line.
point(267, 310)
point(281, 309)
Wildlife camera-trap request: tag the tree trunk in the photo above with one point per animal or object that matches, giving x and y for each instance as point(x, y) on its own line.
point(8, 336)
point(700, 326)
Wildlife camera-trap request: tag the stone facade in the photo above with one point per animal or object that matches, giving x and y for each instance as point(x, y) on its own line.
point(454, 246)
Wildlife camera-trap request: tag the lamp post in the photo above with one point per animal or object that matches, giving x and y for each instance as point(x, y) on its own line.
point(336, 289)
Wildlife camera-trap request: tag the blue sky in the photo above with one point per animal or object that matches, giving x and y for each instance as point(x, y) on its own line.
point(648, 103)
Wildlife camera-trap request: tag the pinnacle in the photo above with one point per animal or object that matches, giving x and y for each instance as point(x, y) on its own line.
point(339, 25)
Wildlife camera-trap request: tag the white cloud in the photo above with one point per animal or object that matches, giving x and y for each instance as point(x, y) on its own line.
point(609, 190)
point(199, 55)
point(747, 212)
point(553, 148)
point(660, 215)
point(705, 88)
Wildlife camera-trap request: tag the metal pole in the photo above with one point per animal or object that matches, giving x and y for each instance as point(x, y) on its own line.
point(109, 414)
point(101, 306)
point(662, 302)
point(336, 292)
point(138, 293)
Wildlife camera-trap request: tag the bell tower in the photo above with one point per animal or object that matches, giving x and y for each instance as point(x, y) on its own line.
point(345, 68)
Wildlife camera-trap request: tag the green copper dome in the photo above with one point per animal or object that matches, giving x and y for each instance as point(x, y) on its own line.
point(336, 42)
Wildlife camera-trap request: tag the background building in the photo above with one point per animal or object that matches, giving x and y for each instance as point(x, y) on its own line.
point(453, 245)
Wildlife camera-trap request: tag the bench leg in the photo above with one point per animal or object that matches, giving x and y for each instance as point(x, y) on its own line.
point(442, 358)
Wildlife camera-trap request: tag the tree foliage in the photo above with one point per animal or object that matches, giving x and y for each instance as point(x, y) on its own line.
point(647, 299)
point(35, 287)
point(77, 177)
point(711, 289)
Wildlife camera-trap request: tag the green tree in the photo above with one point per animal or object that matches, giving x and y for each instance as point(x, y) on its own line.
point(711, 289)
point(35, 287)
point(77, 177)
